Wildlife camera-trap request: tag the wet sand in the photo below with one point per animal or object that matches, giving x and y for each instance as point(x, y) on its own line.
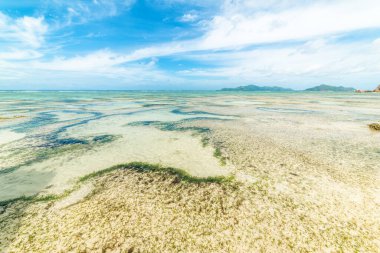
point(305, 169)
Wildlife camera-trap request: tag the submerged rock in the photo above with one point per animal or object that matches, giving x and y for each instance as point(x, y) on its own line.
point(374, 126)
point(377, 89)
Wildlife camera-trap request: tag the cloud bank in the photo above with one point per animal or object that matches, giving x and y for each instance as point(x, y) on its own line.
point(291, 43)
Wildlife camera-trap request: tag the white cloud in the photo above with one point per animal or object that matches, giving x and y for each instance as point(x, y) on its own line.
point(241, 25)
point(244, 23)
point(353, 63)
point(310, 25)
point(189, 17)
point(101, 69)
point(100, 61)
point(28, 31)
point(3, 20)
point(16, 54)
point(75, 12)
point(376, 42)
point(31, 30)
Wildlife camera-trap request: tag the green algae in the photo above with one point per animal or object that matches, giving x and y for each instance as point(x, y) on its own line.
point(374, 126)
point(171, 126)
point(22, 198)
point(180, 174)
point(205, 141)
point(218, 154)
point(147, 167)
point(59, 147)
point(178, 126)
point(37, 198)
point(106, 138)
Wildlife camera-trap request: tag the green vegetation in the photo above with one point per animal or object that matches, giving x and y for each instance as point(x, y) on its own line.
point(170, 126)
point(99, 173)
point(106, 138)
point(43, 153)
point(322, 87)
point(218, 154)
point(22, 198)
point(60, 146)
point(36, 198)
point(142, 167)
point(147, 167)
point(258, 88)
point(205, 141)
point(325, 87)
point(177, 126)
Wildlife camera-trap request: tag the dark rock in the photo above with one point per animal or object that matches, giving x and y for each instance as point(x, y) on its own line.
point(374, 126)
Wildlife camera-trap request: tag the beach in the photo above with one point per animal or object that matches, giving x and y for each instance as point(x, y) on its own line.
point(195, 172)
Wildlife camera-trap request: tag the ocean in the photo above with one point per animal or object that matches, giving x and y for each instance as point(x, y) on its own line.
point(50, 138)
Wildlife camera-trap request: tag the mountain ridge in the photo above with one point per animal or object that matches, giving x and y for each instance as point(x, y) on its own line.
point(257, 88)
point(322, 87)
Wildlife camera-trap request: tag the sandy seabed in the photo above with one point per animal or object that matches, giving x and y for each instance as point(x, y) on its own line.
point(302, 169)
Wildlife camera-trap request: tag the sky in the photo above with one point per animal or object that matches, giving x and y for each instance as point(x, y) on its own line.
point(188, 44)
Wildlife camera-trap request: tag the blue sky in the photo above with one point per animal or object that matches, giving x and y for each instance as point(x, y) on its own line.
point(179, 44)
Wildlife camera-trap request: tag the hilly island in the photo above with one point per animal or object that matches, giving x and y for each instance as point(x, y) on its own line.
point(322, 87)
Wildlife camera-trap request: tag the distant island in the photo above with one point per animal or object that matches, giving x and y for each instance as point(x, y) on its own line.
point(325, 87)
point(257, 88)
point(322, 87)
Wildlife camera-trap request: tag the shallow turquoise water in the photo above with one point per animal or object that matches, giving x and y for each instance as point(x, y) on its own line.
point(36, 127)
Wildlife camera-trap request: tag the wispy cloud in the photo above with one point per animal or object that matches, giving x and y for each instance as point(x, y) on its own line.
point(77, 12)
point(297, 65)
point(103, 69)
point(28, 31)
point(15, 54)
point(236, 28)
point(99, 61)
point(189, 17)
point(288, 42)
point(241, 25)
